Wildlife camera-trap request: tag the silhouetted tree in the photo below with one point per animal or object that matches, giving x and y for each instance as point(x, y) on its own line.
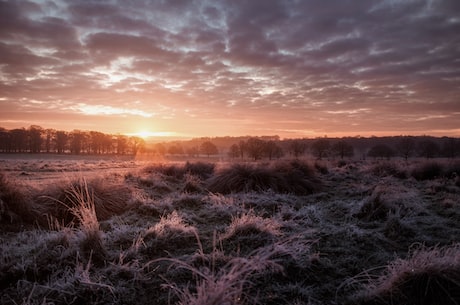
point(242, 147)
point(192, 151)
point(49, 136)
point(320, 148)
point(428, 148)
point(381, 151)
point(77, 142)
point(122, 144)
point(61, 141)
point(343, 149)
point(160, 148)
point(255, 148)
point(18, 140)
point(175, 149)
point(298, 147)
point(234, 151)
point(406, 147)
point(208, 148)
point(273, 150)
point(451, 147)
point(137, 145)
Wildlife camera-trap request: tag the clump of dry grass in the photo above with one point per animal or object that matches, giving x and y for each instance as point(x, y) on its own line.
point(428, 170)
point(388, 199)
point(59, 201)
point(177, 171)
point(284, 177)
point(427, 276)
point(82, 206)
point(193, 184)
point(248, 232)
point(228, 284)
point(15, 206)
point(170, 233)
point(389, 168)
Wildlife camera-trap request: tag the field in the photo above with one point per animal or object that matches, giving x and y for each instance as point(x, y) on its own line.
point(92, 230)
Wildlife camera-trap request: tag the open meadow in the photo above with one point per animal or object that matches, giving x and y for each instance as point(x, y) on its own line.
point(87, 230)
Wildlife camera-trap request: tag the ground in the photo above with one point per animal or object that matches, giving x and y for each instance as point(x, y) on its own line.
point(92, 230)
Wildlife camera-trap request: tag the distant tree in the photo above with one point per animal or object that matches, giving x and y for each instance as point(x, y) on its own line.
point(122, 144)
point(35, 138)
point(273, 150)
point(234, 151)
point(242, 146)
point(451, 147)
point(61, 141)
point(175, 149)
point(160, 148)
point(192, 151)
point(406, 147)
point(50, 134)
point(343, 149)
point(77, 141)
point(381, 151)
point(320, 148)
point(4, 140)
point(255, 148)
point(298, 147)
point(18, 140)
point(208, 148)
point(428, 148)
point(137, 145)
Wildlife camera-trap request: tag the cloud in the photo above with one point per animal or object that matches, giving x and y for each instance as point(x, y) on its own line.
point(311, 62)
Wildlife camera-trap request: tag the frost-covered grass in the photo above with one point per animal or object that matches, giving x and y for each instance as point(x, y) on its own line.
point(282, 232)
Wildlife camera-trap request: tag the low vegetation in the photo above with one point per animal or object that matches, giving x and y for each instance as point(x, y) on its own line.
point(268, 232)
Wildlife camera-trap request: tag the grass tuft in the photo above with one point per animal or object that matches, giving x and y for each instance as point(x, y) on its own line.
point(283, 177)
point(61, 201)
point(427, 276)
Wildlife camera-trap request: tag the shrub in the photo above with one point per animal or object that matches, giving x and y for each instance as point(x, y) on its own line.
point(428, 276)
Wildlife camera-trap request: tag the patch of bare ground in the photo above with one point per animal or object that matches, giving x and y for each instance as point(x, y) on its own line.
point(285, 232)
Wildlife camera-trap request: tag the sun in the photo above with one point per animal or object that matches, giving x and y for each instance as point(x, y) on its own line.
point(144, 134)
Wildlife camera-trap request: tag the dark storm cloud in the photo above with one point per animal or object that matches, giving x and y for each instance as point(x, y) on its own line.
point(312, 61)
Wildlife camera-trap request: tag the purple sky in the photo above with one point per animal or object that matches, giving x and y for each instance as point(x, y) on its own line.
point(214, 68)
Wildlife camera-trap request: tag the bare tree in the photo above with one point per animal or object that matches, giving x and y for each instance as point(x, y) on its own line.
point(343, 149)
point(208, 148)
point(381, 151)
point(234, 151)
point(298, 147)
point(320, 148)
point(406, 147)
point(61, 141)
point(255, 148)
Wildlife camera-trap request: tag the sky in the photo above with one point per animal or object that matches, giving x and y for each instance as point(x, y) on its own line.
point(189, 68)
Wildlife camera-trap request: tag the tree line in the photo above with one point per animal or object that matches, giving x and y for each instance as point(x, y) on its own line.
point(36, 139)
